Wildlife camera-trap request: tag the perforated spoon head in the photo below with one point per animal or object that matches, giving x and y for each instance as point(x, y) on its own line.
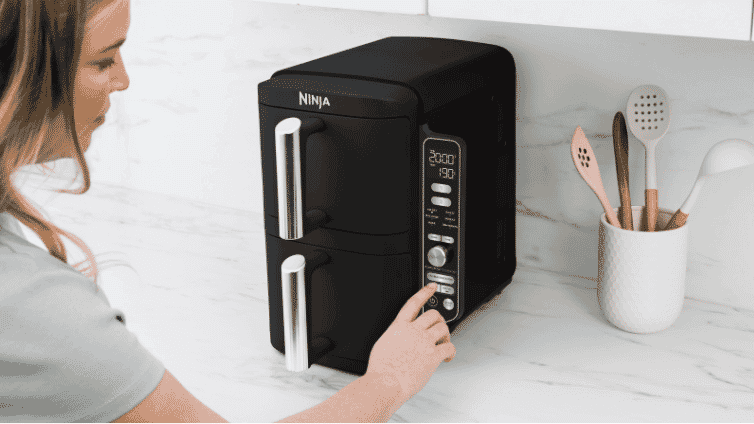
point(648, 113)
point(586, 164)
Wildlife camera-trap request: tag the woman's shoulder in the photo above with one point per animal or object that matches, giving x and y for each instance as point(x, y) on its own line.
point(9, 222)
point(24, 265)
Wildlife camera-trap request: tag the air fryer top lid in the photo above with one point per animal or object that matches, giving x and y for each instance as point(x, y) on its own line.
point(438, 70)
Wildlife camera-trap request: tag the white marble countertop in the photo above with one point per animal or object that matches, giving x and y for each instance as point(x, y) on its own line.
point(540, 351)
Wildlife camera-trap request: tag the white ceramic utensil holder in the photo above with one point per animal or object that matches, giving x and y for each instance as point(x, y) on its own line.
point(642, 275)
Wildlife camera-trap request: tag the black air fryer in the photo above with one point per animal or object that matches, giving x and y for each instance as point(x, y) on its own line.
point(385, 167)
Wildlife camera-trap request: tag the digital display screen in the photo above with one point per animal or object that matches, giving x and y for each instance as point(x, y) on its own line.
point(439, 159)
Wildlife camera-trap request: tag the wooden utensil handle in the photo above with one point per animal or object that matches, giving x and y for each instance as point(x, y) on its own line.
point(626, 218)
point(677, 221)
point(650, 199)
point(612, 217)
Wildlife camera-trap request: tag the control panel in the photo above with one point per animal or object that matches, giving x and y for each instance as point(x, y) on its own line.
point(442, 227)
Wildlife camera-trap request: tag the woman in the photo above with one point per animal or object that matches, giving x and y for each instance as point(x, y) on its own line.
point(65, 354)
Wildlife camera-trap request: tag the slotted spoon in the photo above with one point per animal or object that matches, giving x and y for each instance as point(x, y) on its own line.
point(648, 116)
point(586, 164)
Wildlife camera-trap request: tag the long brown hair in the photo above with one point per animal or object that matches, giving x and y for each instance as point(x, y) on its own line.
point(40, 45)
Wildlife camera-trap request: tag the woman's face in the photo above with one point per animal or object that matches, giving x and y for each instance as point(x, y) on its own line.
point(100, 72)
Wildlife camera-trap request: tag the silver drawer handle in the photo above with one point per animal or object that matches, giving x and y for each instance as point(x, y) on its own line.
point(297, 344)
point(289, 168)
point(294, 313)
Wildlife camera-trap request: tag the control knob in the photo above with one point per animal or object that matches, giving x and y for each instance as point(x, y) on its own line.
point(438, 256)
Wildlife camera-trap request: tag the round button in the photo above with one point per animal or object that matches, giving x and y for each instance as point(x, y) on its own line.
point(448, 304)
point(432, 301)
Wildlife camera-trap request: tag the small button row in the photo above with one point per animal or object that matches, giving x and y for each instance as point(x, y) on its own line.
point(447, 303)
point(437, 237)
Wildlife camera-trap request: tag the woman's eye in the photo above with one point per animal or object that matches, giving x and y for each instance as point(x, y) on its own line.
point(105, 64)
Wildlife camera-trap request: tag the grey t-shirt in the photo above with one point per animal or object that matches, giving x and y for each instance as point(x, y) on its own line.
point(65, 354)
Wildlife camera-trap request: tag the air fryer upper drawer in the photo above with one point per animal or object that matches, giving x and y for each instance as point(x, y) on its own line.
point(357, 171)
point(437, 70)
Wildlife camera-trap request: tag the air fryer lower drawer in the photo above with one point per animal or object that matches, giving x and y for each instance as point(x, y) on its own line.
point(351, 299)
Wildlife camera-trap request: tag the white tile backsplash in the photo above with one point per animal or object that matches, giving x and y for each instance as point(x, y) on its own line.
point(188, 125)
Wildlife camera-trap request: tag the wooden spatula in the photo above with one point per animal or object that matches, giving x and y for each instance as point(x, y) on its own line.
point(620, 144)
